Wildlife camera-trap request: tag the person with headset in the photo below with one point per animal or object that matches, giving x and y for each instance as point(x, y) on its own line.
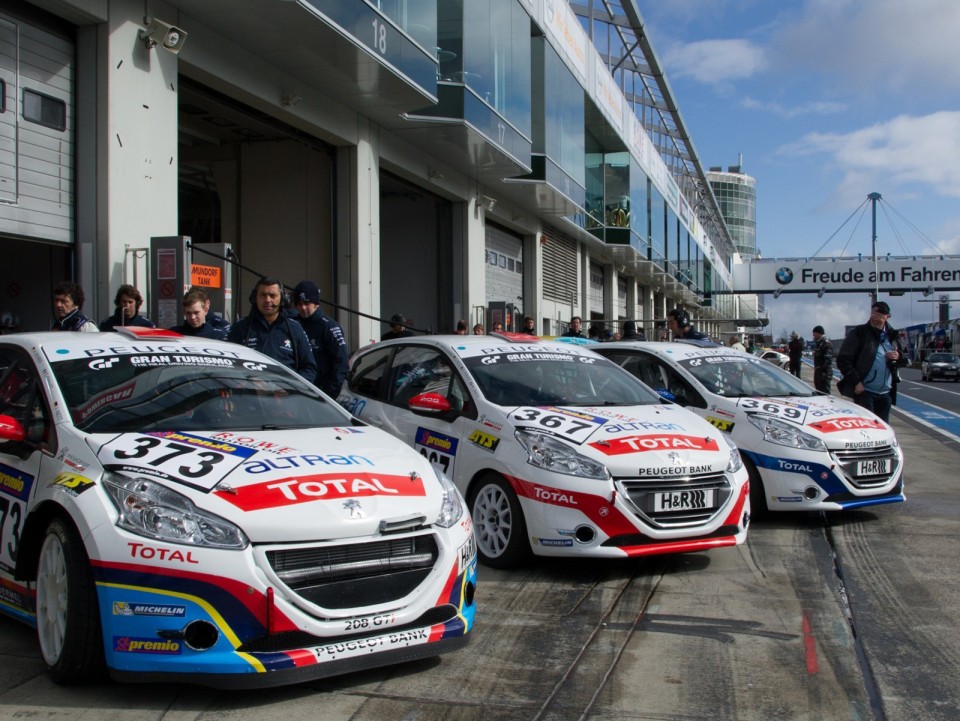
point(271, 331)
point(678, 321)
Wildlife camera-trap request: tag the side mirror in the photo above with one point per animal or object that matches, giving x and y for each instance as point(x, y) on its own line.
point(432, 404)
point(11, 430)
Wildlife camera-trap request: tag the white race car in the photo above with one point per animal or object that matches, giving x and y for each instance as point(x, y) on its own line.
point(181, 509)
point(557, 450)
point(805, 450)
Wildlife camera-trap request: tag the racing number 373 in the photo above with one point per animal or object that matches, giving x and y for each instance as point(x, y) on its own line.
point(156, 452)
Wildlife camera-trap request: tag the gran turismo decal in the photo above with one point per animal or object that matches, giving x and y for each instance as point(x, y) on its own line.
point(836, 425)
point(276, 493)
point(659, 442)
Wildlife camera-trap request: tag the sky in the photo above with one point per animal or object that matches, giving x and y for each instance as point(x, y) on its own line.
point(827, 101)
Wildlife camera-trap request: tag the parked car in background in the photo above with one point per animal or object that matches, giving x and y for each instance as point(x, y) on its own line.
point(779, 359)
point(945, 366)
point(557, 450)
point(803, 450)
point(181, 509)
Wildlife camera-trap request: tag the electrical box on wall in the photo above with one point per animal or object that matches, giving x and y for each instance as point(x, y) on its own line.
point(169, 278)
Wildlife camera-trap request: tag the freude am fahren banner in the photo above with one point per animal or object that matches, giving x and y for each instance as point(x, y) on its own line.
point(842, 275)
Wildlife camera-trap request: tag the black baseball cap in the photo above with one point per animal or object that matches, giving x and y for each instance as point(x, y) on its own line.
point(881, 307)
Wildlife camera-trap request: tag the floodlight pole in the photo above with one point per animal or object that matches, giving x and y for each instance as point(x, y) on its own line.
point(873, 198)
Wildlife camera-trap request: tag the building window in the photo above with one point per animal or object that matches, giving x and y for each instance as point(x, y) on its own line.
point(44, 110)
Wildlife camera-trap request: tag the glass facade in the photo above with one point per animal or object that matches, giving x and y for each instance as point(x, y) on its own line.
point(485, 45)
point(736, 193)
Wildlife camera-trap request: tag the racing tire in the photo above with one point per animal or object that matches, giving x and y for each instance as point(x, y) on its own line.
point(68, 614)
point(758, 497)
point(499, 524)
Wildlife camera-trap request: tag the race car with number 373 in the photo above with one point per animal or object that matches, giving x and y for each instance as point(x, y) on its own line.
point(804, 450)
point(180, 509)
point(557, 450)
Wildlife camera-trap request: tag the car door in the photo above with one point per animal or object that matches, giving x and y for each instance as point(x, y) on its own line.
point(21, 461)
point(437, 435)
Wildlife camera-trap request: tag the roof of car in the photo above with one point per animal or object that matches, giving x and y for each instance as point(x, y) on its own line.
point(679, 350)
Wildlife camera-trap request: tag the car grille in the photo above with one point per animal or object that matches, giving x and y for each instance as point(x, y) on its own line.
point(643, 493)
point(850, 459)
point(356, 574)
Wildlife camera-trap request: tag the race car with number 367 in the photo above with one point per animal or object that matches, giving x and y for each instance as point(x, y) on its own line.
point(181, 509)
point(558, 451)
point(804, 450)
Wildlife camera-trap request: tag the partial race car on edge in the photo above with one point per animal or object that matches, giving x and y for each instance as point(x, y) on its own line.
point(557, 450)
point(805, 450)
point(180, 509)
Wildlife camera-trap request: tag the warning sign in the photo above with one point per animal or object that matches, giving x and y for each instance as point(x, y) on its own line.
point(205, 276)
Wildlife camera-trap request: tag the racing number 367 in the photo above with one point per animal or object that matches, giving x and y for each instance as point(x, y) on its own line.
point(156, 452)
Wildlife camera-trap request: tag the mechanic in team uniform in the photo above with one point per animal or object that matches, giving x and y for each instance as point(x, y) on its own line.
point(128, 301)
point(197, 319)
point(678, 321)
point(269, 330)
point(67, 301)
point(327, 343)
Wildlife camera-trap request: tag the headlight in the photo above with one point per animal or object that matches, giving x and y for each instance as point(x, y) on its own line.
point(150, 509)
point(452, 507)
point(552, 455)
point(784, 434)
point(736, 462)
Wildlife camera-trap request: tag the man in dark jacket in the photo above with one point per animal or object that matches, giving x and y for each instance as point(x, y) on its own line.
point(269, 330)
point(197, 319)
point(327, 343)
point(868, 359)
point(678, 321)
point(67, 301)
point(795, 351)
point(630, 331)
point(128, 301)
point(822, 360)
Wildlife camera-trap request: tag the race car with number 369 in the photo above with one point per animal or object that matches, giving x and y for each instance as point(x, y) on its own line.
point(804, 450)
point(557, 450)
point(181, 509)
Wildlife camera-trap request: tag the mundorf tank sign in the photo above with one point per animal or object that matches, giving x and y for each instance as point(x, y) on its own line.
point(848, 275)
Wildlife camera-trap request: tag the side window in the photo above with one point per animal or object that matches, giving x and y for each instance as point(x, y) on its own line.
point(417, 370)
point(20, 396)
point(368, 372)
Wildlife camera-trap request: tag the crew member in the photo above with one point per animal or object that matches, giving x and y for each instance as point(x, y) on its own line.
point(327, 343)
point(128, 301)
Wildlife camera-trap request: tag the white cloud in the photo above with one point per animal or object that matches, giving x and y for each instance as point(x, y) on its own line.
point(810, 108)
point(715, 61)
point(906, 151)
point(868, 47)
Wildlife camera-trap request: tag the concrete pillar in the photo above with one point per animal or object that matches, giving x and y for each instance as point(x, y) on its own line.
point(137, 146)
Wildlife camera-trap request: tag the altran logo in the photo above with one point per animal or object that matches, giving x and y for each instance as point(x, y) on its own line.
point(784, 275)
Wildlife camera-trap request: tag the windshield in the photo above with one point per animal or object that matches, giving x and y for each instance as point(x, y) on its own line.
point(734, 376)
point(943, 358)
point(550, 377)
point(189, 393)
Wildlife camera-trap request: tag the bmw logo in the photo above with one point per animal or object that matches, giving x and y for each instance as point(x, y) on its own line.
point(784, 275)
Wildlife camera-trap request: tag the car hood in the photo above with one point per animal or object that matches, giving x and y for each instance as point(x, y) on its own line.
point(283, 486)
point(649, 440)
point(838, 422)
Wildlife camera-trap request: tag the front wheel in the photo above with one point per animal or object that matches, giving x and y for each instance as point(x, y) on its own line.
point(499, 524)
point(758, 497)
point(68, 615)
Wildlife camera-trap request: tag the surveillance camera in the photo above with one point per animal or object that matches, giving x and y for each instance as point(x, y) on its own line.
point(169, 37)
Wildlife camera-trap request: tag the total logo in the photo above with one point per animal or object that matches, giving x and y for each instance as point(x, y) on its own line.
point(102, 363)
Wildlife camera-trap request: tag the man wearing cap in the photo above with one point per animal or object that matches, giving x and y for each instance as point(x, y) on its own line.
point(327, 343)
point(868, 359)
point(822, 360)
point(398, 328)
